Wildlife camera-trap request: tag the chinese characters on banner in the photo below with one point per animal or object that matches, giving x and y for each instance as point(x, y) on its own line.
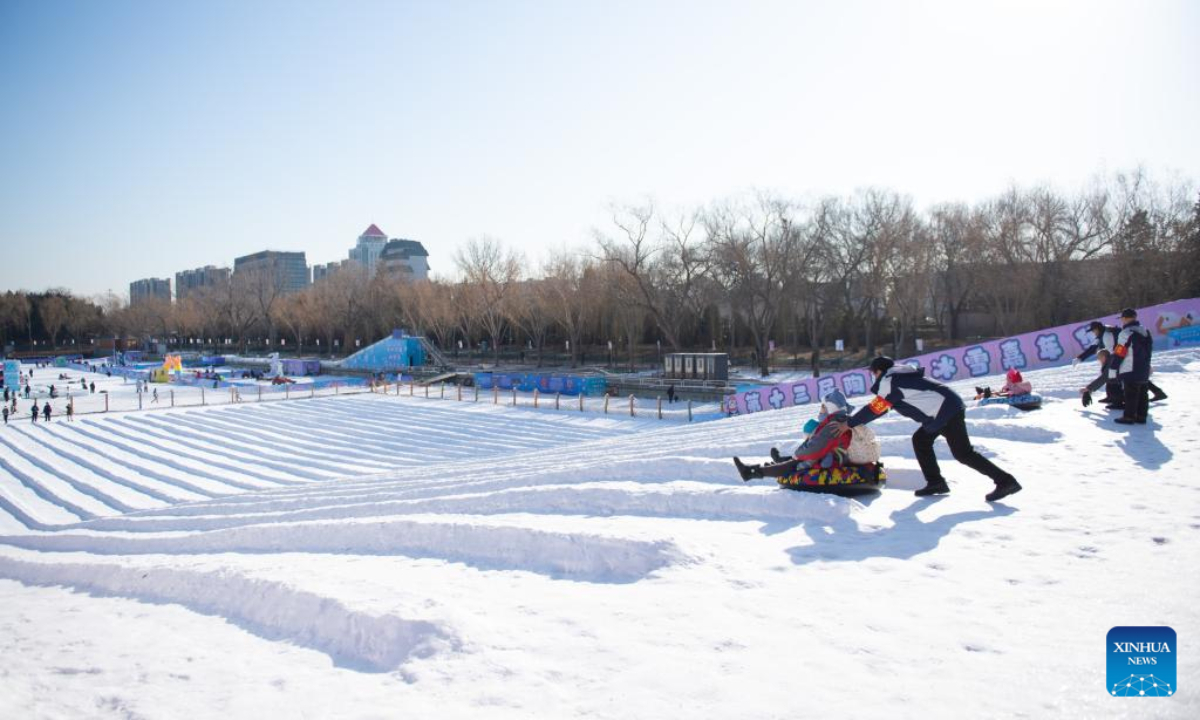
point(1043, 348)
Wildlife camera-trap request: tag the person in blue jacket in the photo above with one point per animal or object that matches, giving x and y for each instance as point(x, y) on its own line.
point(940, 411)
point(1132, 352)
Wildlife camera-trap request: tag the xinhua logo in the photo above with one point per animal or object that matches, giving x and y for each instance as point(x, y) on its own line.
point(1141, 661)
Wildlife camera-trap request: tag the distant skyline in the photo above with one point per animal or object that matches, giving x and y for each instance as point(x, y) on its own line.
point(139, 139)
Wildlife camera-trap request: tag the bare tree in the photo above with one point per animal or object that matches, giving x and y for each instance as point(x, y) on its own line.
point(757, 247)
point(957, 235)
point(52, 309)
point(238, 305)
point(571, 286)
point(22, 313)
point(530, 309)
point(293, 313)
point(489, 274)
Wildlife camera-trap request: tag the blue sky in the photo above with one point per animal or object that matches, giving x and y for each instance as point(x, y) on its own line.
point(142, 138)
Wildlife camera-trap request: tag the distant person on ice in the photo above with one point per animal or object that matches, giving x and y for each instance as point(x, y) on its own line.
point(823, 447)
point(941, 412)
point(46, 411)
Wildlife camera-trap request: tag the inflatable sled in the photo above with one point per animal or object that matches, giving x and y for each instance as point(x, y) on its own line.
point(1029, 401)
point(845, 480)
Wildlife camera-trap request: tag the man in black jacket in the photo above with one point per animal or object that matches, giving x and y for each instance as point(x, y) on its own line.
point(1132, 360)
point(941, 412)
point(1106, 339)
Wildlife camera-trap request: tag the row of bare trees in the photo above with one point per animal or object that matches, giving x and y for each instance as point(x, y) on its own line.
point(749, 274)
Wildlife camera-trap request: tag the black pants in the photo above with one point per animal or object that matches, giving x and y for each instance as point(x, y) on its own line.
point(1137, 400)
point(1113, 392)
point(779, 469)
point(1116, 393)
point(955, 432)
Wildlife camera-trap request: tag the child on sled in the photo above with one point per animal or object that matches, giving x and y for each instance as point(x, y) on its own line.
point(822, 448)
point(1015, 385)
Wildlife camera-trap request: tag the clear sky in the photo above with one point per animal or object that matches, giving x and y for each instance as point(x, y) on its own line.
point(140, 138)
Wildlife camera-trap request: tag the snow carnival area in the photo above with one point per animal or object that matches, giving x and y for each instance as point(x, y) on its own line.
point(377, 555)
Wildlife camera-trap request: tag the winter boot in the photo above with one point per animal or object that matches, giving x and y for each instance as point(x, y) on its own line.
point(748, 472)
point(938, 487)
point(1158, 395)
point(776, 456)
point(1004, 488)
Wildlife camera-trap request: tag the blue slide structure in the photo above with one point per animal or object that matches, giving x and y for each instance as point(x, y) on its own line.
point(395, 353)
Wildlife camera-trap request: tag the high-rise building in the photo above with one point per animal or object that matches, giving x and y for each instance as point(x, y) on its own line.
point(141, 290)
point(370, 244)
point(187, 281)
point(405, 258)
point(289, 270)
point(320, 272)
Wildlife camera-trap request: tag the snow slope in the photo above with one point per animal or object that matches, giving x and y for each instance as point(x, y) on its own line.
point(373, 556)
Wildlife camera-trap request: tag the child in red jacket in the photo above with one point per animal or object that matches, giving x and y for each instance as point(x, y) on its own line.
point(822, 448)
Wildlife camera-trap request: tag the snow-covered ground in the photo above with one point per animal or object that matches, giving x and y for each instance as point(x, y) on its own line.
point(376, 556)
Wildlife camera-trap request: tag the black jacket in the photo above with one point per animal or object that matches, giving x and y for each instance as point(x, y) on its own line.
point(906, 390)
point(1106, 341)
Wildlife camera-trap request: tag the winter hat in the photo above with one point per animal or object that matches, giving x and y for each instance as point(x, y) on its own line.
point(1129, 313)
point(1014, 375)
point(835, 401)
point(883, 363)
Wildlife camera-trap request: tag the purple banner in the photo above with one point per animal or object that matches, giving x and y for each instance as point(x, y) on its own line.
point(1039, 349)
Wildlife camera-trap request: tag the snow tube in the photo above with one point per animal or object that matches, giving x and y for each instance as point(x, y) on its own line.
point(1029, 401)
point(845, 480)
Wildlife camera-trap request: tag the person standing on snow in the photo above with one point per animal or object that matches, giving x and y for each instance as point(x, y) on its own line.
point(941, 412)
point(1106, 339)
point(46, 411)
point(1133, 350)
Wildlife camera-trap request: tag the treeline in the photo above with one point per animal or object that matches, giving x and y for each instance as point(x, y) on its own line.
point(746, 275)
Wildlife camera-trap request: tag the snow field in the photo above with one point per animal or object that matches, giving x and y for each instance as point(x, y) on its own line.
point(481, 561)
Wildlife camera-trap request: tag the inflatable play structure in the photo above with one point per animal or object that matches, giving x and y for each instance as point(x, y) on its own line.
point(396, 352)
point(845, 480)
point(171, 363)
point(1029, 401)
